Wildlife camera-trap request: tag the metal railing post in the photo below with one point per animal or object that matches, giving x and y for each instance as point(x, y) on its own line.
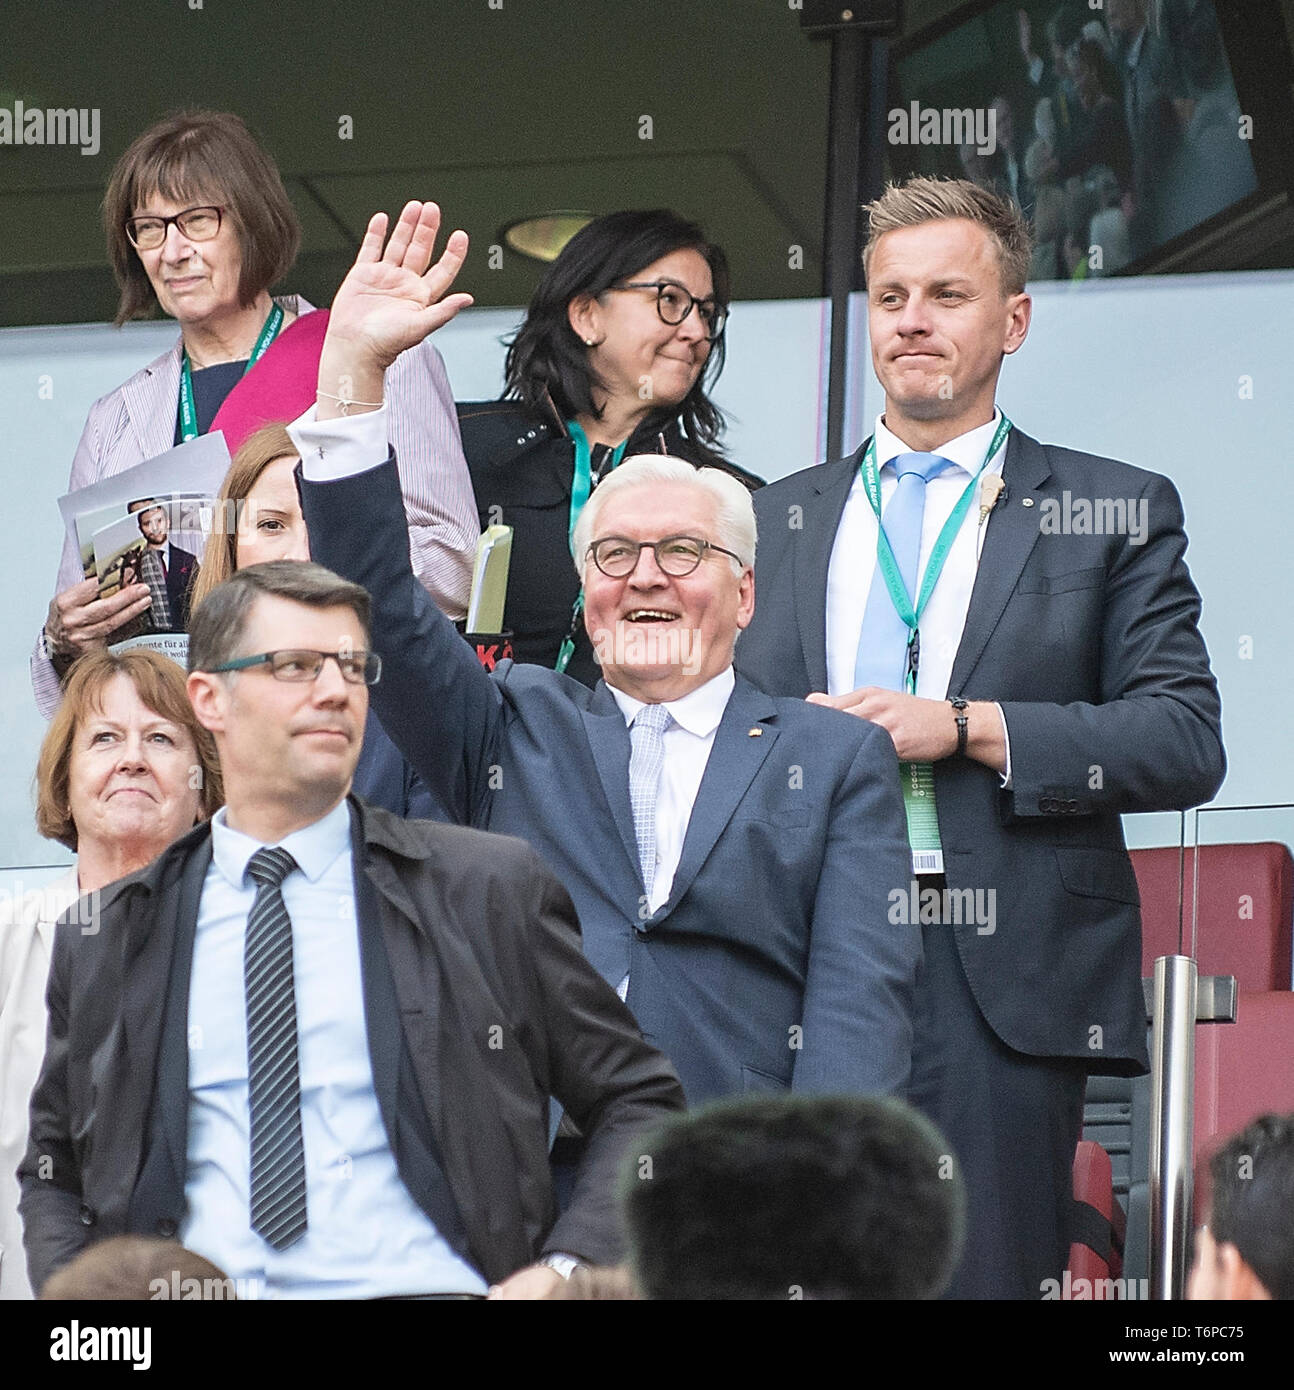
point(1172, 1093)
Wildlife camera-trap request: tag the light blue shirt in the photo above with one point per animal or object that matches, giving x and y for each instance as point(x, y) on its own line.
point(366, 1237)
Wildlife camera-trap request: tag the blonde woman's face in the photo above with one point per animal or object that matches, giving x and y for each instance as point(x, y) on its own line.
point(271, 526)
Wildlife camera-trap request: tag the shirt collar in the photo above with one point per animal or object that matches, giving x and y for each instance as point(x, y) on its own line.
point(966, 451)
point(315, 847)
point(699, 711)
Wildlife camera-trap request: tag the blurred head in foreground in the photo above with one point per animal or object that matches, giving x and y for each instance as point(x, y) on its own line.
point(1247, 1249)
point(138, 1268)
point(794, 1197)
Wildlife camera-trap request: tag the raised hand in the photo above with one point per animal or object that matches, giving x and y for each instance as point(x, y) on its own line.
point(393, 296)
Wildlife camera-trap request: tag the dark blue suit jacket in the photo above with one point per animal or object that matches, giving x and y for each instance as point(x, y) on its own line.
point(383, 778)
point(774, 963)
point(1090, 643)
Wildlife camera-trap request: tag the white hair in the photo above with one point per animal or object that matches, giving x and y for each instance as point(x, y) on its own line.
point(734, 521)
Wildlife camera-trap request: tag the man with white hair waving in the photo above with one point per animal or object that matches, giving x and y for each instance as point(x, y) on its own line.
point(734, 858)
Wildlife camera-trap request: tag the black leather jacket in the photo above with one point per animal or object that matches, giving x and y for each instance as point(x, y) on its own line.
point(521, 466)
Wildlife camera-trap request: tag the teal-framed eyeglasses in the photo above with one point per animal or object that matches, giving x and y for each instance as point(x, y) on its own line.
point(357, 667)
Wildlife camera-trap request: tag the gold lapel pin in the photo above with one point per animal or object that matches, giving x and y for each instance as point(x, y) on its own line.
point(755, 733)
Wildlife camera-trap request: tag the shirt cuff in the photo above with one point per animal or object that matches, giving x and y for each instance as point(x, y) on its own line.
point(340, 448)
point(1006, 738)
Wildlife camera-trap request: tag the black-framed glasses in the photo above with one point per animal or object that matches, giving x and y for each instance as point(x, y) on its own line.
point(357, 667)
point(617, 556)
point(674, 304)
point(198, 224)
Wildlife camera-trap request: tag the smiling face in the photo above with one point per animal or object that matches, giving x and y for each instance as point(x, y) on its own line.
point(286, 747)
point(660, 636)
point(270, 525)
point(639, 359)
point(195, 282)
point(939, 326)
point(129, 776)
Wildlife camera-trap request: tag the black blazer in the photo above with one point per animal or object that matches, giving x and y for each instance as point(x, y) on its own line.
point(1091, 644)
point(479, 1005)
point(180, 574)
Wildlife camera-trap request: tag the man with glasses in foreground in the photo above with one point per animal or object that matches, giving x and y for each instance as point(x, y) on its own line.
point(735, 859)
point(354, 1022)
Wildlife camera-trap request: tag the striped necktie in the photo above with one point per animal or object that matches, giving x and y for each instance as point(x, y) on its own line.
point(278, 1168)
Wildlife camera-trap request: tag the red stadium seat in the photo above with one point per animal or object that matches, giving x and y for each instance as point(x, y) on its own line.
point(1096, 1256)
point(1242, 1070)
point(1246, 919)
point(1246, 925)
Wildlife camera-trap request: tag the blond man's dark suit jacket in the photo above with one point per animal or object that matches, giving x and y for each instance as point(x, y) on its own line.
point(1091, 645)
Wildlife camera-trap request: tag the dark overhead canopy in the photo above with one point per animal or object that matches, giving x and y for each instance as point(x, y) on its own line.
point(496, 112)
point(498, 109)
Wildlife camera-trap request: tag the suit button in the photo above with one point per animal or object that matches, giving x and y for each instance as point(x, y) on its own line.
point(86, 1215)
point(1044, 804)
point(166, 1228)
point(1072, 807)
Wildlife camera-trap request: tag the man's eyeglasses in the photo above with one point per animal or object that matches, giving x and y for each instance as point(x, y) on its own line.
point(674, 304)
point(357, 668)
point(198, 224)
point(617, 556)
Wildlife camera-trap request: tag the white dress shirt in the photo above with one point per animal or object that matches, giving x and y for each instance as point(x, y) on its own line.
point(366, 1237)
point(340, 448)
point(687, 742)
point(853, 559)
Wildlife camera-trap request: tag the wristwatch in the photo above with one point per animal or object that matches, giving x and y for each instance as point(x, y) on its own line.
point(960, 707)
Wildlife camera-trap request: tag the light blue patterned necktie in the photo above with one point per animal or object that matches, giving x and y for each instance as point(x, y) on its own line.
point(883, 639)
point(647, 759)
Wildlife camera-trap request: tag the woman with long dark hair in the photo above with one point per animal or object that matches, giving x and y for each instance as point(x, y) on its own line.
point(622, 339)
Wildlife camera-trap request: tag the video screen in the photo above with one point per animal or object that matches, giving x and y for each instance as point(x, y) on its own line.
point(1117, 129)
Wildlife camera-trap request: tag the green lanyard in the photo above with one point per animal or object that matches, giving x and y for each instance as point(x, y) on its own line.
point(581, 487)
point(188, 411)
point(582, 482)
point(889, 567)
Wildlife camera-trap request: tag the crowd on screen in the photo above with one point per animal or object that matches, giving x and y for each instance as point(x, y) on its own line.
point(382, 974)
point(1120, 130)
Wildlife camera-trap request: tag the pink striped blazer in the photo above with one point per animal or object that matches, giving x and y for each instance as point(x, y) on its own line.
point(137, 422)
